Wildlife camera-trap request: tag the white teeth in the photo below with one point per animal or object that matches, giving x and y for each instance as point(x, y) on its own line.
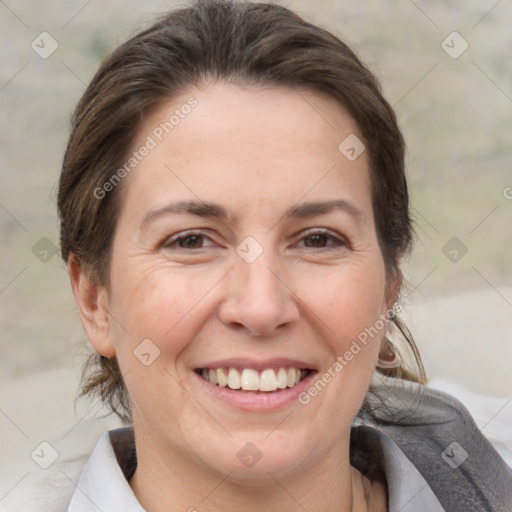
point(268, 380)
point(222, 379)
point(282, 378)
point(234, 379)
point(212, 376)
point(291, 377)
point(251, 380)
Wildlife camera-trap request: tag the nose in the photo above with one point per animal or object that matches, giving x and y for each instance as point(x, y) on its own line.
point(258, 299)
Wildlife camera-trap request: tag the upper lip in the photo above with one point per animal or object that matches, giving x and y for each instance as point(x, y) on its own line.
point(257, 364)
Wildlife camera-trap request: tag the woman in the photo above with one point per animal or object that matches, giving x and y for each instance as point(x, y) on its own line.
point(233, 215)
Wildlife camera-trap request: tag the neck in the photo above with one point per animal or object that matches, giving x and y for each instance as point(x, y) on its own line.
point(172, 482)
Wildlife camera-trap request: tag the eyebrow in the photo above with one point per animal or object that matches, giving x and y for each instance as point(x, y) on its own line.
point(216, 211)
point(199, 208)
point(311, 208)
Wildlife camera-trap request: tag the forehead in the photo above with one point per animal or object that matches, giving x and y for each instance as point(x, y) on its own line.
point(272, 144)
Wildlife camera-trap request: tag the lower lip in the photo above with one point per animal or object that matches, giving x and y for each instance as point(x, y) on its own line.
point(253, 400)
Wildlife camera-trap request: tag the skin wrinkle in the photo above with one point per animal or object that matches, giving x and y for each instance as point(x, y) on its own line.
point(203, 209)
point(227, 307)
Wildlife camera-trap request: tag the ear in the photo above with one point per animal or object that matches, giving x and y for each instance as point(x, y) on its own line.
point(92, 302)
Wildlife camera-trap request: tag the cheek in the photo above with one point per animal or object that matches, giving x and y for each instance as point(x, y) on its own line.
point(349, 309)
point(168, 309)
point(348, 300)
point(164, 306)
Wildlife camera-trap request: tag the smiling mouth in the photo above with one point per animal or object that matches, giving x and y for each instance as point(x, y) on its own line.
point(248, 379)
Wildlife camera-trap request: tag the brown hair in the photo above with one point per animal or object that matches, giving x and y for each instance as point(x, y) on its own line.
point(217, 40)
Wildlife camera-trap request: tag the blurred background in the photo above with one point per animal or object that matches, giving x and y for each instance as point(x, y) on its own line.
point(445, 68)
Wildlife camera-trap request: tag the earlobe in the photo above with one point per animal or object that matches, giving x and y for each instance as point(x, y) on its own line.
point(92, 303)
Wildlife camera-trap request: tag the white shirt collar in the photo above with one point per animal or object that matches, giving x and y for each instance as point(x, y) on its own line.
point(103, 485)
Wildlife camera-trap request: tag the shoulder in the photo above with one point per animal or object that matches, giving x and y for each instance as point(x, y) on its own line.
point(437, 434)
point(113, 460)
point(43, 490)
point(77, 482)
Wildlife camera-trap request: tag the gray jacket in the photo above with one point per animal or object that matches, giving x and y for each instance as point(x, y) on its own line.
point(438, 436)
point(422, 442)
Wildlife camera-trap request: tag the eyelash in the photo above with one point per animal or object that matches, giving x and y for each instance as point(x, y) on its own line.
point(336, 242)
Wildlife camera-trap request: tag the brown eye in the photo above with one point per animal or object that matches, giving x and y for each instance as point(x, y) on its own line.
point(321, 240)
point(191, 242)
point(188, 241)
point(316, 241)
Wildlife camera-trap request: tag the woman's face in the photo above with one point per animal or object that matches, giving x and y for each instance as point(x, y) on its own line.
point(246, 240)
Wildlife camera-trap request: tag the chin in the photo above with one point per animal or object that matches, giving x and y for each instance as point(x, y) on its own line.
point(254, 458)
